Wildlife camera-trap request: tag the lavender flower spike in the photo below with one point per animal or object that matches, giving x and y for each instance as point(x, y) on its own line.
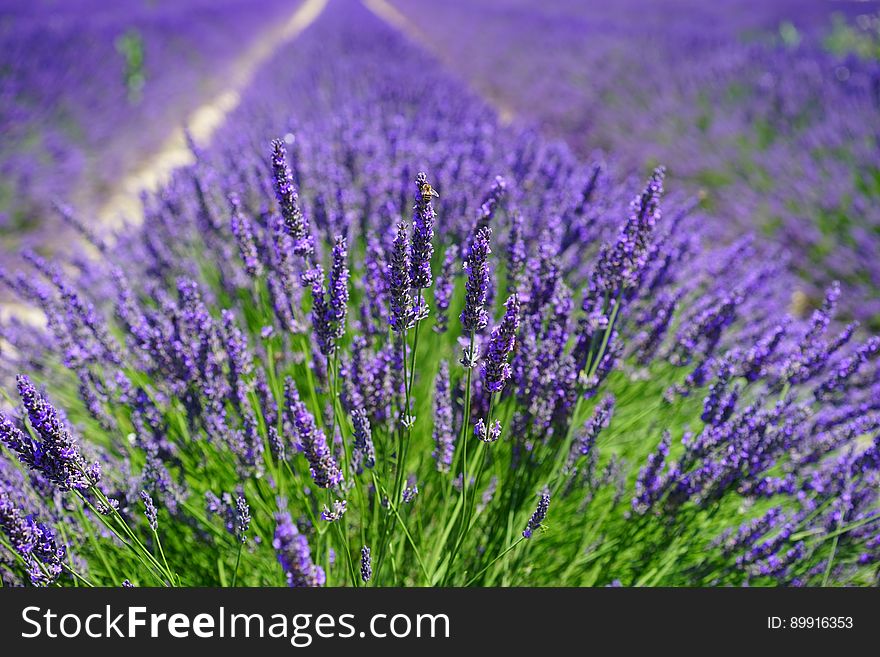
point(150, 510)
point(292, 550)
point(366, 564)
point(294, 220)
point(493, 199)
point(474, 316)
point(242, 230)
point(649, 484)
point(339, 508)
point(501, 344)
point(57, 457)
point(421, 248)
point(363, 438)
point(330, 308)
point(403, 315)
point(34, 542)
point(444, 435)
point(323, 467)
point(242, 518)
point(539, 514)
point(490, 435)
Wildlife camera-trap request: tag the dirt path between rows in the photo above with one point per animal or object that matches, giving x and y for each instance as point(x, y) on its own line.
point(204, 121)
point(396, 19)
point(124, 202)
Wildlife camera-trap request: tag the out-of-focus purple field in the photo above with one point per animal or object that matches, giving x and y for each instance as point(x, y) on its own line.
point(770, 109)
point(90, 88)
point(462, 293)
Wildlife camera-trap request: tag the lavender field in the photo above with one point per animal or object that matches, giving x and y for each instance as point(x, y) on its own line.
point(460, 293)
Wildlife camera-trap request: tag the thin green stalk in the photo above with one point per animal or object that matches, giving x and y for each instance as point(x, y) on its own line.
point(398, 481)
point(465, 423)
point(407, 533)
point(150, 567)
point(491, 563)
point(827, 574)
point(161, 551)
point(481, 457)
point(237, 562)
point(77, 576)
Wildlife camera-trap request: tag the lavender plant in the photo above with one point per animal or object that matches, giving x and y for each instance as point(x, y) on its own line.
point(264, 383)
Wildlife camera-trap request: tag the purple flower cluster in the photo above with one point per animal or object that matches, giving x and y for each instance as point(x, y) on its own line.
point(474, 317)
point(403, 315)
point(488, 434)
point(234, 510)
point(55, 454)
point(330, 307)
point(295, 221)
point(322, 465)
point(33, 541)
point(294, 555)
point(537, 519)
point(150, 511)
point(366, 565)
point(502, 342)
point(443, 432)
point(421, 246)
point(202, 338)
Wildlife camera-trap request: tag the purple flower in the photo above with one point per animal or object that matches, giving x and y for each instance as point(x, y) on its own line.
point(243, 232)
point(838, 380)
point(501, 344)
point(621, 263)
point(363, 438)
point(323, 467)
point(421, 247)
point(474, 316)
point(493, 199)
point(150, 510)
point(375, 287)
point(234, 511)
point(444, 434)
point(366, 565)
point(490, 435)
point(650, 482)
point(720, 403)
point(339, 508)
point(755, 361)
point(276, 444)
point(294, 555)
point(403, 315)
point(57, 455)
point(33, 541)
point(585, 440)
point(516, 254)
point(330, 308)
point(540, 513)
point(294, 220)
point(241, 365)
point(242, 518)
point(411, 490)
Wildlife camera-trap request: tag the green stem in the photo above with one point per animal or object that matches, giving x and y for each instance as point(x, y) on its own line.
point(465, 423)
point(491, 563)
point(237, 562)
point(827, 574)
point(481, 461)
point(407, 533)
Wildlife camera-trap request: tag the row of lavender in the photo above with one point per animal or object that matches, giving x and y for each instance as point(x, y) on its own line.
point(763, 107)
point(306, 367)
point(88, 88)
